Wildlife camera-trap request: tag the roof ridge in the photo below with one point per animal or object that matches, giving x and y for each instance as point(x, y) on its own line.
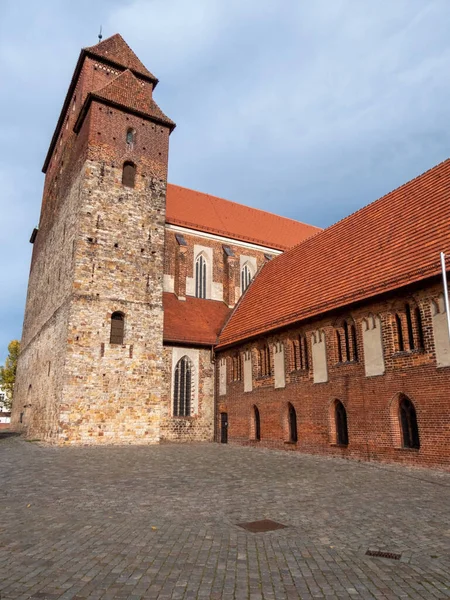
point(247, 206)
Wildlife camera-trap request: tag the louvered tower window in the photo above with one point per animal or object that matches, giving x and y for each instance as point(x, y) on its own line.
point(182, 391)
point(200, 277)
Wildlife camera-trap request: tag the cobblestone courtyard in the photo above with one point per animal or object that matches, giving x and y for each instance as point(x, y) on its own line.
point(161, 522)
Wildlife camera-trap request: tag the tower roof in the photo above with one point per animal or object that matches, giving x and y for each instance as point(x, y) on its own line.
point(125, 91)
point(391, 243)
point(115, 50)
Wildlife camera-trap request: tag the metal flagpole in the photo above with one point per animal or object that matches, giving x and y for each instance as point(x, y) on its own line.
point(444, 279)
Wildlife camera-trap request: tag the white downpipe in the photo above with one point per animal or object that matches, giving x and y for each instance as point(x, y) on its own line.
point(444, 279)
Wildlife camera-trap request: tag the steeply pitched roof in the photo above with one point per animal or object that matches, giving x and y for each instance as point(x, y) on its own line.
point(203, 212)
point(126, 91)
point(390, 243)
point(194, 320)
point(115, 50)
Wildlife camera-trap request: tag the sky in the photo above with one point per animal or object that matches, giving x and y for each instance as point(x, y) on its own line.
point(307, 109)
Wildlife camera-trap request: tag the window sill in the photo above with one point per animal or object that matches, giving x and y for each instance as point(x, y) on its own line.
point(347, 363)
point(408, 352)
point(334, 445)
point(291, 443)
point(263, 378)
point(404, 449)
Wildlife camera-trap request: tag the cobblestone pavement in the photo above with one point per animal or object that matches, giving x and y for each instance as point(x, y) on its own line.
point(160, 522)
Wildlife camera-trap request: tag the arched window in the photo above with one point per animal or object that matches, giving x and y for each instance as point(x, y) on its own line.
point(398, 323)
point(200, 277)
point(129, 174)
point(341, 424)
point(408, 421)
point(292, 416)
point(246, 277)
point(182, 389)
point(131, 136)
point(117, 328)
point(420, 336)
point(257, 423)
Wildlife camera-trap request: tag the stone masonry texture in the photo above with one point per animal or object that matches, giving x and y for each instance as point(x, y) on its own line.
point(160, 522)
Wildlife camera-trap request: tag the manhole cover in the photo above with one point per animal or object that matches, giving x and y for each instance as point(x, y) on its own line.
point(261, 526)
point(379, 554)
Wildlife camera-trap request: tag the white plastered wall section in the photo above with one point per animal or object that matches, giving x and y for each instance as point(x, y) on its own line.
point(169, 283)
point(373, 346)
point(278, 359)
point(214, 289)
point(319, 357)
point(248, 375)
point(222, 377)
point(440, 332)
point(193, 355)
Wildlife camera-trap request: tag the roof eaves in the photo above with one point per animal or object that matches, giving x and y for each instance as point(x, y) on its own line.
point(93, 96)
point(117, 65)
point(321, 309)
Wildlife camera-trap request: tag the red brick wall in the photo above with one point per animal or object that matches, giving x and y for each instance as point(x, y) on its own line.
point(371, 402)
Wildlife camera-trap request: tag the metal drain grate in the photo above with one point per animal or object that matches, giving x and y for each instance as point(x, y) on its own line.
point(261, 526)
point(379, 554)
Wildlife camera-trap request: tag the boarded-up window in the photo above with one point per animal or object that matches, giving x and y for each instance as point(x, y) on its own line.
point(117, 328)
point(129, 174)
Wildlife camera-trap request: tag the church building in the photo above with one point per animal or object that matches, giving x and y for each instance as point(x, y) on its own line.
point(157, 313)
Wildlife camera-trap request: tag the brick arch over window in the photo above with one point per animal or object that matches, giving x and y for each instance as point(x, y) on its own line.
point(404, 425)
point(131, 136)
point(346, 341)
point(408, 328)
point(117, 328)
point(183, 388)
point(338, 423)
point(129, 174)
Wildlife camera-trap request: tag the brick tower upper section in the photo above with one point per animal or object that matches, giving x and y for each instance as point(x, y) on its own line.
point(107, 76)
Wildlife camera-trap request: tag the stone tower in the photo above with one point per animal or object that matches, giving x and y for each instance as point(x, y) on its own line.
point(90, 367)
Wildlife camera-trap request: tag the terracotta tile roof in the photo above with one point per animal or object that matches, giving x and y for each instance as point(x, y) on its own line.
point(193, 321)
point(127, 91)
point(392, 242)
point(203, 212)
point(115, 49)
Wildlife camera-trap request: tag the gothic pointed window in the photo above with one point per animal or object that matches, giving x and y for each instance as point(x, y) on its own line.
point(408, 422)
point(341, 424)
point(182, 389)
point(117, 328)
point(292, 417)
point(200, 277)
point(129, 174)
point(246, 277)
